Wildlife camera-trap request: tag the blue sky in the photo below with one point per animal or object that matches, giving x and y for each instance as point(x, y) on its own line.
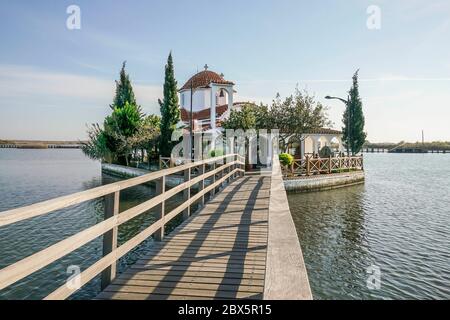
point(54, 81)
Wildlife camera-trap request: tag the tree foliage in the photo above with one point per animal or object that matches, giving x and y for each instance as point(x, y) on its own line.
point(124, 131)
point(353, 120)
point(95, 147)
point(120, 127)
point(124, 90)
point(125, 120)
point(170, 112)
point(297, 114)
point(244, 119)
point(249, 116)
point(148, 134)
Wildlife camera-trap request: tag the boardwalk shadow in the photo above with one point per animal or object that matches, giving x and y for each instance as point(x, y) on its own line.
point(242, 239)
point(218, 253)
point(235, 267)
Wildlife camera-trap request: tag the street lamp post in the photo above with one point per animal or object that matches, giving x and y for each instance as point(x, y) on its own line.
point(349, 136)
point(191, 153)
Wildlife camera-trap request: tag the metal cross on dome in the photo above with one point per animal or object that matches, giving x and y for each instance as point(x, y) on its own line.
point(206, 67)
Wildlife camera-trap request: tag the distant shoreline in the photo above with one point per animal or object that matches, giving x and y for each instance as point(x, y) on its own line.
point(409, 147)
point(39, 144)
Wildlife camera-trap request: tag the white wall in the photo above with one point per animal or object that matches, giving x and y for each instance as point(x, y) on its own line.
point(201, 99)
point(309, 145)
point(222, 100)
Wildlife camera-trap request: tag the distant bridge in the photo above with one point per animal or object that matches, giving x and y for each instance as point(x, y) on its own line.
point(402, 148)
point(40, 146)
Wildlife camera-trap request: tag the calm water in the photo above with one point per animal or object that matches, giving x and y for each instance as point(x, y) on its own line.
point(399, 221)
point(29, 176)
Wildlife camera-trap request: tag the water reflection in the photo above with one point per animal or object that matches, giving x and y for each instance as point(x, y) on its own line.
point(22, 239)
point(399, 221)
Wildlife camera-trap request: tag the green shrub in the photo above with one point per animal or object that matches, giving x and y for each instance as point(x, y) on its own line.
point(286, 159)
point(216, 153)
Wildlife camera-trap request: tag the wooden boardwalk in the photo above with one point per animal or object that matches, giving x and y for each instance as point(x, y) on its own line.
point(241, 245)
point(218, 253)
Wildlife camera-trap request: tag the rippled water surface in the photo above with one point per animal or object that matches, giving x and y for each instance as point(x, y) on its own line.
point(398, 221)
point(30, 176)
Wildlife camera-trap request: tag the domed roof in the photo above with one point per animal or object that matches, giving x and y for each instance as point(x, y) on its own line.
point(203, 79)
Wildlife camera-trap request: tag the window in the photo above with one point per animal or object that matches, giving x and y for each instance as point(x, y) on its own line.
point(182, 99)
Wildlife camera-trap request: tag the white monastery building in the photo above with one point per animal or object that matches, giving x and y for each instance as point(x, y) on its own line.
point(213, 99)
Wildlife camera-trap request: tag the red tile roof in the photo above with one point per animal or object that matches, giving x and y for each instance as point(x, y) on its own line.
point(204, 114)
point(323, 131)
point(203, 79)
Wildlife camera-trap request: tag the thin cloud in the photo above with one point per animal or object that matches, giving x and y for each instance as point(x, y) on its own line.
point(381, 79)
point(27, 83)
point(22, 81)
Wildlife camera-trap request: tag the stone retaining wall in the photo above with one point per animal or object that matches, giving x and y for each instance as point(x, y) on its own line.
point(323, 182)
point(128, 172)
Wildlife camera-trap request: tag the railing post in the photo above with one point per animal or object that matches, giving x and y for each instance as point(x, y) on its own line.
point(308, 166)
point(213, 190)
point(219, 176)
point(187, 194)
point(235, 175)
point(223, 172)
point(160, 189)
point(228, 169)
point(110, 238)
point(201, 184)
point(329, 165)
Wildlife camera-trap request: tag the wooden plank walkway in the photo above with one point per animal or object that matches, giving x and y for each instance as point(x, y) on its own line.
point(218, 253)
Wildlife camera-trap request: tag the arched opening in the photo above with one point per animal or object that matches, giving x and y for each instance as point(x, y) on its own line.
point(335, 145)
point(322, 142)
point(222, 97)
point(294, 147)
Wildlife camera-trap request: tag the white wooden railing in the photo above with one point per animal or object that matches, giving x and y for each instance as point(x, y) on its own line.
point(312, 166)
point(221, 170)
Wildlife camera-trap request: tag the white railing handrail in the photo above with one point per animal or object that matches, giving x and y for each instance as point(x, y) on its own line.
point(338, 157)
point(44, 207)
point(37, 261)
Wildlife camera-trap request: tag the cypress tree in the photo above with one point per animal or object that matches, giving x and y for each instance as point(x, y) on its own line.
point(125, 120)
point(124, 90)
point(353, 119)
point(170, 112)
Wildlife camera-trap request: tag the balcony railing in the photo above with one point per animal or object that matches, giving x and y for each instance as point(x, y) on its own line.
point(314, 166)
